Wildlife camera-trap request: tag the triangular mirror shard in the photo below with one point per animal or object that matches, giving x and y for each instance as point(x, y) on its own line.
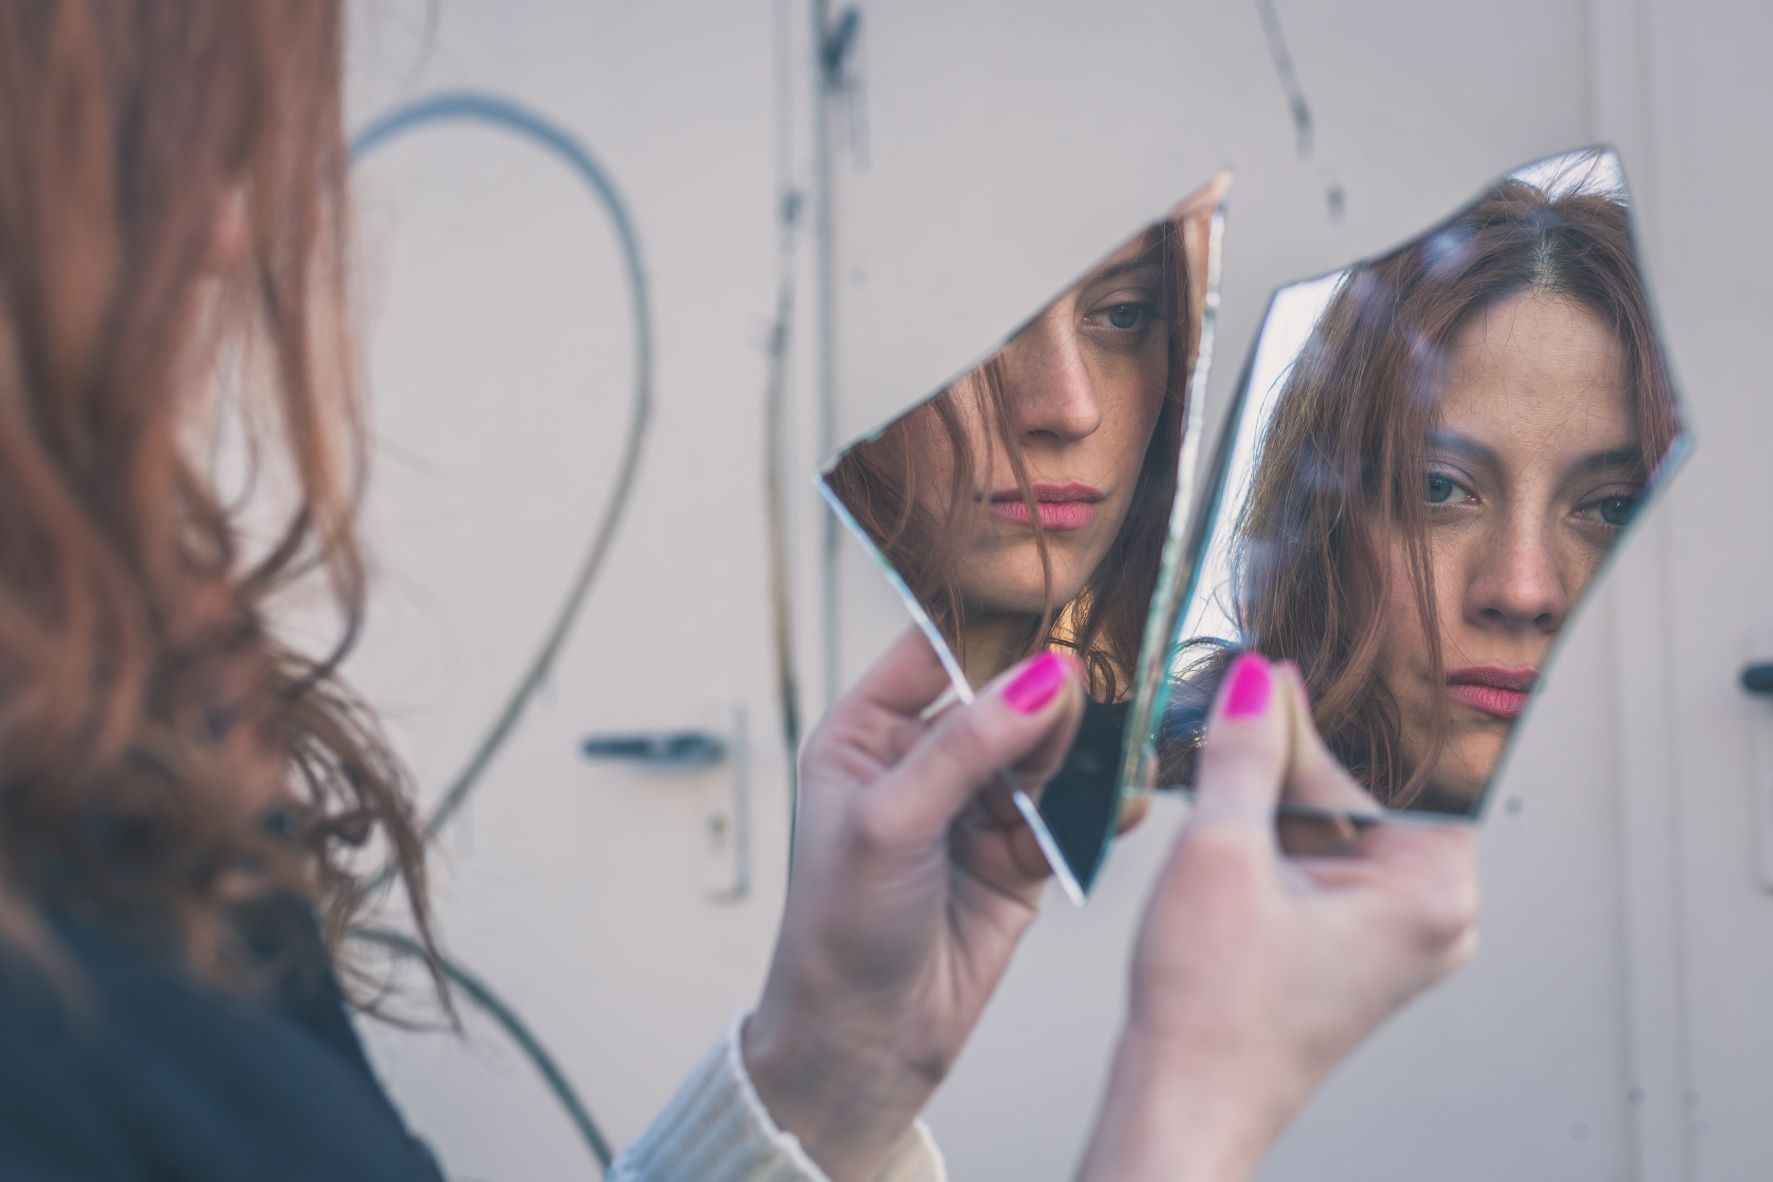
point(1034, 501)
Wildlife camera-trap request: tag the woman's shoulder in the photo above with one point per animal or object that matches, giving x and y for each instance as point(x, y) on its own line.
point(115, 1063)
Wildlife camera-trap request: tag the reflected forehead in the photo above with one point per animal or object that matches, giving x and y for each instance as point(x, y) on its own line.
point(1542, 372)
point(1137, 259)
point(1135, 254)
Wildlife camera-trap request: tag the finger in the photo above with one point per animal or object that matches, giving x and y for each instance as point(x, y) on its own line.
point(885, 712)
point(1304, 834)
point(1316, 778)
point(1132, 810)
point(1429, 849)
point(998, 804)
point(906, 679)
point(1021, 725)
point(1430, 868)
point(1083, 763)
point(1029, 779)
point(1324, 811)
point(1428, 873)
point(1031, 772)
point(994, 817)
point(1245, 752)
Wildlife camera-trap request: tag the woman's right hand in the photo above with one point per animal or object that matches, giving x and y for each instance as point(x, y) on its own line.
point(913, 880)
point(1255, 972)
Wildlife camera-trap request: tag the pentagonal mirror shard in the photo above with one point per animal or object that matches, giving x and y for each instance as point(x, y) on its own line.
point(1433, 454)
point(1031, 503)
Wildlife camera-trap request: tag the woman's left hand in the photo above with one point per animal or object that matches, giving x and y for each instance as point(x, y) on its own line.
point(913, 879)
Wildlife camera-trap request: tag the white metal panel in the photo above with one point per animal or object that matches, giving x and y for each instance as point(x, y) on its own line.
point(1004, 146)
point(499, 345)
point(1710, 97)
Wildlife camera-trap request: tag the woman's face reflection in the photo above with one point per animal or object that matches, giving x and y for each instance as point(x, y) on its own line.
point(1082, 388)
point(1533, 466)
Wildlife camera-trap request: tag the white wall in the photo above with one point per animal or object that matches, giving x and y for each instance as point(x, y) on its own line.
point(499, 342)
point(1008, 144)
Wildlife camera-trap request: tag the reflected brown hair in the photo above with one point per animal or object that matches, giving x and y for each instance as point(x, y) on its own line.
point(172, 206)
point(881, 483)
point(1342, 461)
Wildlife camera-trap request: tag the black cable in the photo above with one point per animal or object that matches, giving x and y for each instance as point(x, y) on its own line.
point(490, 1004)
point(459, 106)
point(502, 114)
point(775, 423)
point(1286, 73)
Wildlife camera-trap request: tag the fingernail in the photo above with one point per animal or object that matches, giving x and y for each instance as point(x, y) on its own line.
point(1035, 686)
point(1250, 687)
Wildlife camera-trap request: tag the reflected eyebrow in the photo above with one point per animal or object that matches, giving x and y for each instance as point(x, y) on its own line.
point(1469, 448)
point(1601, 461)
point(1116, 270)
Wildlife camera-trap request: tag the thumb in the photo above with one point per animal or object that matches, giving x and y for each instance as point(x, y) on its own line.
point(1025, 719)
point(1246, 750)
point(1315, 778)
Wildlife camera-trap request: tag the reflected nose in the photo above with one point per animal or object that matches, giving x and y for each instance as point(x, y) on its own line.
point(1520, 582)
point(1049, 393)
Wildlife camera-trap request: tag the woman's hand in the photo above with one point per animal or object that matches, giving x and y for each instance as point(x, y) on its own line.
point(1256, 973)
point(913, 878)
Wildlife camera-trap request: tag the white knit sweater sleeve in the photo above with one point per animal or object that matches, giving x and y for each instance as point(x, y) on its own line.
point(716, 1129)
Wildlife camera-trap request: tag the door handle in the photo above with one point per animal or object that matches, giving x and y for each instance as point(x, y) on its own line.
point(1757, 679)
point(692, 753)
point(659, 749)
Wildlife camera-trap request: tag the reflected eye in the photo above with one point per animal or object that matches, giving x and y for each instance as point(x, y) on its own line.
point(1126, 316)
point(1615, 511)
point(1440, 489)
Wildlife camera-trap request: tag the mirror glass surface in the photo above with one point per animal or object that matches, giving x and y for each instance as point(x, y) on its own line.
point(1036, 500)
point(1431, 456)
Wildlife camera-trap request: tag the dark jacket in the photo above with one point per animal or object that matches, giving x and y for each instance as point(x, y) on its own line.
point(161, 1077)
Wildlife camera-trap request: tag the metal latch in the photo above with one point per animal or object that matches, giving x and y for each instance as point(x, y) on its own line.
point(694, 753)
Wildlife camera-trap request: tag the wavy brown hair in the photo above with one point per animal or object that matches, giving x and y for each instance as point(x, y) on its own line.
point(1342, 460)
point(172, 208)
point(881, 483)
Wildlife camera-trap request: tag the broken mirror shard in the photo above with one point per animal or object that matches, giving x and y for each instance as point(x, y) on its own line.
point(1032, 503)
point(1432, 455)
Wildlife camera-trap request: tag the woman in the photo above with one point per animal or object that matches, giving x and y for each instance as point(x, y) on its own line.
point(1455, 450)
point(1026, 506)
point(182, 793)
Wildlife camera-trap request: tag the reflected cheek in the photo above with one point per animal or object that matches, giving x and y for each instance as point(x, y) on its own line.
point(931, 457)
point(1403, 652)
point(1581, 563)
point(1404, 668)
point(1451, 572)
point(1469, 758)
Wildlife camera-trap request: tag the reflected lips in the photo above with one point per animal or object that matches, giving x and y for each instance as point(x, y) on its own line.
point(1061, 506)
point(1492, 689)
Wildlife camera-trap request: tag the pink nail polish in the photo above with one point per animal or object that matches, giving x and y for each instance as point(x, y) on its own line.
point(1035, 686)
point(1248, 693)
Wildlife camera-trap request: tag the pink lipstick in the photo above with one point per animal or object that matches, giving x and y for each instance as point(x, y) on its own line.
point(1492, 689)
point(1067, 506)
